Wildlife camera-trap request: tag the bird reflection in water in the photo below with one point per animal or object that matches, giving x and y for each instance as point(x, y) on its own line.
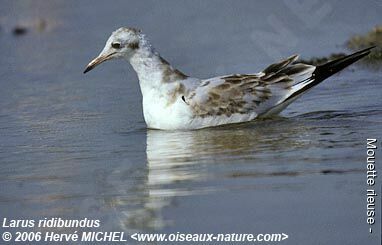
point(180, 162)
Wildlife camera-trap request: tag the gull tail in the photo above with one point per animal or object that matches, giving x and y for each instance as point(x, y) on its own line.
point(318, 74)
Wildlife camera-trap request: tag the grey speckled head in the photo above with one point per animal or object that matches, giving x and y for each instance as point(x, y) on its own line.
point(122, 43)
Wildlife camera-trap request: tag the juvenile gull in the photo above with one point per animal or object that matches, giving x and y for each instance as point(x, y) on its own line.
point(173, 100)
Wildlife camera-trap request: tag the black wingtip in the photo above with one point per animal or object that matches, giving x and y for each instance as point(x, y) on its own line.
point(326, 70)
point(88, 69)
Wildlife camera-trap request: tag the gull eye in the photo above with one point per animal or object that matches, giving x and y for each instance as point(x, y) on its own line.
point(116, 45)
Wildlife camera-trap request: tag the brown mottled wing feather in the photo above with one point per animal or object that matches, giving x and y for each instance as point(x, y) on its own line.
point(245, 94)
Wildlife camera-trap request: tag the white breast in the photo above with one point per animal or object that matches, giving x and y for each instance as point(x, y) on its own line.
point(160, 113)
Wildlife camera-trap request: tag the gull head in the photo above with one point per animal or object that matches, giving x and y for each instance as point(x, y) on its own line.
point(122, 43)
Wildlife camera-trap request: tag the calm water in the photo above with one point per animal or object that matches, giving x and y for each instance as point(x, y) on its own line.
point(76, 146)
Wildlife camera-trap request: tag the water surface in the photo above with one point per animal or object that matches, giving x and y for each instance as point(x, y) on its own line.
point(75, 145)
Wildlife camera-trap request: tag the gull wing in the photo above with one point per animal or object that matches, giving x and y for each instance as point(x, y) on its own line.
point(249, 93)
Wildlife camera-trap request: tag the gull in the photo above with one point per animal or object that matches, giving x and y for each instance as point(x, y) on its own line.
point(175, 101)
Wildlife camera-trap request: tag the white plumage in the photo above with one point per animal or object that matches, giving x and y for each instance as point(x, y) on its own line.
point(172, 100)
